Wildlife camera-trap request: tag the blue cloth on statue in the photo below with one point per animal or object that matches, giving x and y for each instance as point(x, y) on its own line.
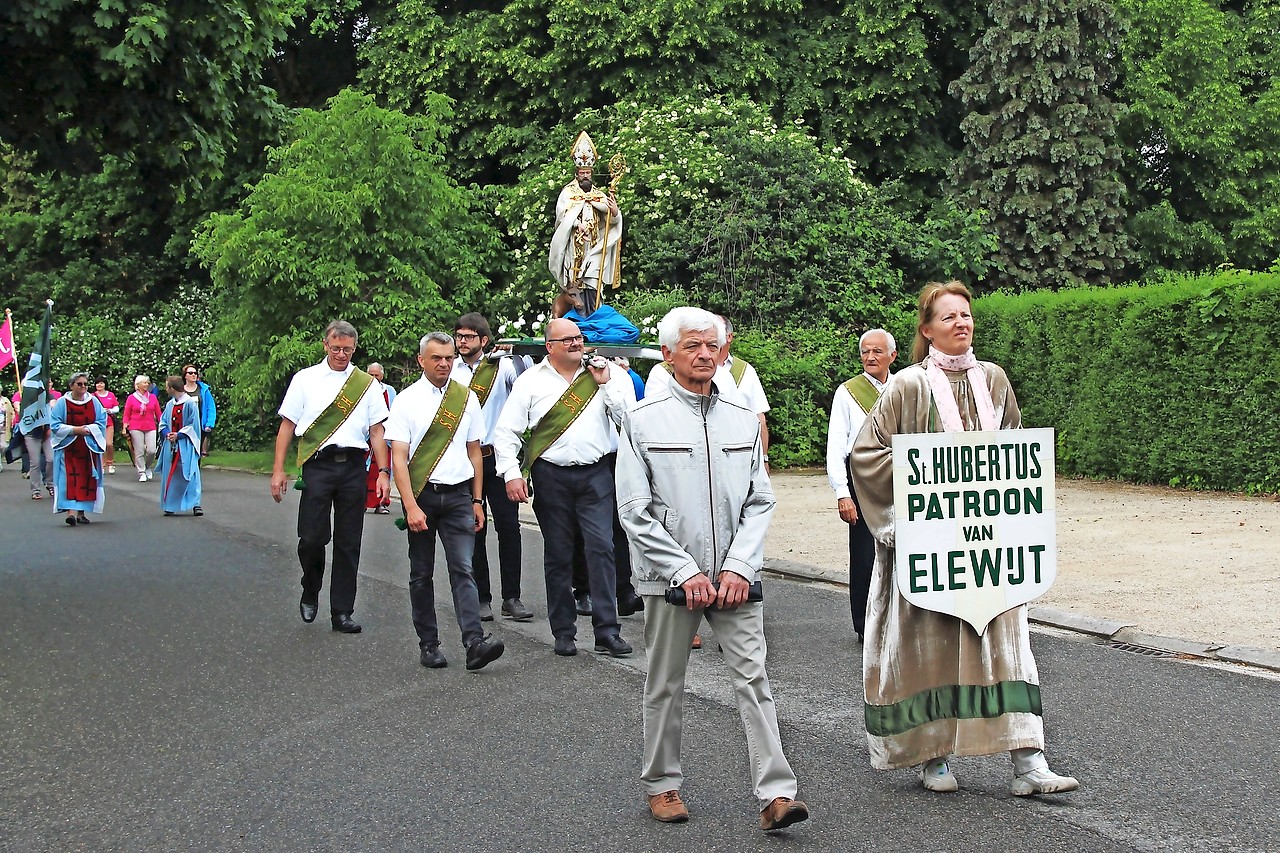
point(179, 459)
point(605, 326)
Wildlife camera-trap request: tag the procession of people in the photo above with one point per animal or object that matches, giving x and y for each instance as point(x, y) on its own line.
point(665, 483)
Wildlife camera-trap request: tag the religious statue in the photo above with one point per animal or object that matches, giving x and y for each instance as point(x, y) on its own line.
point(586, 249)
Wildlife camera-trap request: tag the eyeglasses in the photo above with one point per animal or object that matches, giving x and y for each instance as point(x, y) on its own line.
point(79, 384)
point(572, 339)
point(341, 350)
point(465, 336)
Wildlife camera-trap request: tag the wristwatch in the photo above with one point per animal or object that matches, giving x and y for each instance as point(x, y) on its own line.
point(477, 500)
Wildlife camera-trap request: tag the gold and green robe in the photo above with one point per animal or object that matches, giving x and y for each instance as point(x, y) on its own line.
point(933, 687)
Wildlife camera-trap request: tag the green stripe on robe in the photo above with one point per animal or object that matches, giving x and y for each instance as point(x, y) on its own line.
point(953, 702)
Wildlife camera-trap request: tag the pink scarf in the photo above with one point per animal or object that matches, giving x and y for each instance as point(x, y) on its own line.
point(948, 411)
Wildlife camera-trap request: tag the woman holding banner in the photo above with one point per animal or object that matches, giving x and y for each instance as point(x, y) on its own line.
point(933, 686)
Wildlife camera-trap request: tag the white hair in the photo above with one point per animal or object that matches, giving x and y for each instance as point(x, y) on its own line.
point(434, 337)
point(141, 377)
point(893, 346)
point(688, 319)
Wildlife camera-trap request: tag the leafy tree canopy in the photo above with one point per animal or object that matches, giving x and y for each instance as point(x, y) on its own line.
point(355, 219)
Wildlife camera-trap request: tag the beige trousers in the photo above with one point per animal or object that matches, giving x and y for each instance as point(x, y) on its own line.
point(668, 633)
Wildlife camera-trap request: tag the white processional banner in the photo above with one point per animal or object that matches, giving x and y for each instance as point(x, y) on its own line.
point(974, 520)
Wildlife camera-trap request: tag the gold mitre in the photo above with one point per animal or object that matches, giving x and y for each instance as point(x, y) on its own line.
point(584, 152)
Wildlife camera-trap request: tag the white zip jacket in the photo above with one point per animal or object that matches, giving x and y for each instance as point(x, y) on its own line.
point(693, 494)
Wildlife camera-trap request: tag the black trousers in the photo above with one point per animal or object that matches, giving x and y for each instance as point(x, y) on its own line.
point(621, 555)
point(504, 515)
point(449, 518)
point(568, 500)
point(862, 560)
point(332, 488)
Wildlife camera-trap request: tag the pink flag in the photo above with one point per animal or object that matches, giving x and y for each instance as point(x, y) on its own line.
point(6, 342)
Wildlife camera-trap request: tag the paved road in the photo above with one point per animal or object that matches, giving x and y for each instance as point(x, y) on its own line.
point(160, 693)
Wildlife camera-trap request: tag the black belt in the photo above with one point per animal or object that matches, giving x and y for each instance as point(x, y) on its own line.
point(464, 486)
point(332, 453)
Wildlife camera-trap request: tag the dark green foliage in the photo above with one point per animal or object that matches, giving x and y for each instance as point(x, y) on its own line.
point(1157, 384)
point(1040, 156)
point(1201, 134)
point(160, 83)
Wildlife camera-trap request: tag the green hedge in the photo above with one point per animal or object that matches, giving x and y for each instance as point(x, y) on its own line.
point(1174, 382)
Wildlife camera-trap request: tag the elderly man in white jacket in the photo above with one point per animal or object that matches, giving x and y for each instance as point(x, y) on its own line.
point(695, 501)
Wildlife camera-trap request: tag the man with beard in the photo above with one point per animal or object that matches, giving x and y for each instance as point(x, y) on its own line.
point(490, 380)
point(586, 247)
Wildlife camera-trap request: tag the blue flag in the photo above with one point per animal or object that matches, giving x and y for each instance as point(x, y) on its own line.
point(35, 387)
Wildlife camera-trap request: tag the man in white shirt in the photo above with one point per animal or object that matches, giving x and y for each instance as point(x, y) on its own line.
point(849, 407)
point(446, 500)
point(491, 381)
point(572, 411)
point(333, 470)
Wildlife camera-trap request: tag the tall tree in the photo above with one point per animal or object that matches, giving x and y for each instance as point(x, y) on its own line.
point(1039, 154)
point(159, 82)
point(356, 219)
point(1203, 82)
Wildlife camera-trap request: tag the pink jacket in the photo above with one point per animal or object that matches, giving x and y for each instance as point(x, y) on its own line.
point(141, 416)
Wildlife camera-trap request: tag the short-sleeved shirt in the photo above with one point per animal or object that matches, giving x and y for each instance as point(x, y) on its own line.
point(311, 391)
point(411, 415)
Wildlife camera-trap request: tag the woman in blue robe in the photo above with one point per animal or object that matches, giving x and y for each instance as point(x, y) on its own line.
point(179, 451)
point(78, 427)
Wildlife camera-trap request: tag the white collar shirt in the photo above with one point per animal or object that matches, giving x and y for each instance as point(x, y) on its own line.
point(660, 380)
point(592, 435)
point(412, 412)
point(750, 391)
point(311, 391)
point(507, 374)
point(846, 419)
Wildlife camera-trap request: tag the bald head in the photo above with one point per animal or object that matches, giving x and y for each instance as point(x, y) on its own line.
point(564, 354)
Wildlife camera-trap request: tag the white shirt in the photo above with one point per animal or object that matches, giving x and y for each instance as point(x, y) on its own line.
point(846, 419)
point(593, 434)
point(411, 415)
point(502, 383)
point(311, 391)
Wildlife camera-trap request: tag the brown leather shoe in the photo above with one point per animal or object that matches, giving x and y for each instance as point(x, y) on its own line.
point(783, 812)
point(668, 807)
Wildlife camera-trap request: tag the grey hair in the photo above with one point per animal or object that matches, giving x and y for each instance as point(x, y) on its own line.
point(437, 337)
point(340, 329)
point(372, 365)
point(728, 324)
point(893, 345)
point(71, 380)
point(688, 319)
point(141, 377)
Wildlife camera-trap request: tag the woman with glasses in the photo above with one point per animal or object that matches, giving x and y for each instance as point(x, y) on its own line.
point(180, 451)
point(141, 418)
point(79, 426)
point(198, 390)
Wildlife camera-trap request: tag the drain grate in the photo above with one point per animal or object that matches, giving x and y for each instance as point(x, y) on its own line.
point(1146, 651)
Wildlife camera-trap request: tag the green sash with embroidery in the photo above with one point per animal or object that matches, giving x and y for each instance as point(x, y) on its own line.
point(438, 436)
point(738, 370)
point(482, 379)
point(862, 391)
point(334, 415)
point(560, 417)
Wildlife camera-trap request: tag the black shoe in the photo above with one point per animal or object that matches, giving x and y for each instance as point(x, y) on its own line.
point(168, 513)
point(629, 605)
point(613, 646)
point(307, 610)
point(565, 647)
point(433, 658)
point(513, 608)
point(197, 511)
point(584, 605)
point(71, 520)
point(483, 652)
point(486, 612)
point(343, 624)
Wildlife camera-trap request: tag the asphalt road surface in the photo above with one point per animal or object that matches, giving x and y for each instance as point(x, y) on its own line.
point(159, 692)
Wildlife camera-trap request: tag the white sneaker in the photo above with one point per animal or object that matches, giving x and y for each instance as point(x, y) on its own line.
point(1042, 780)
point(111, 469)
point(937, 776)
point(142, 478)
point(149, 473)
